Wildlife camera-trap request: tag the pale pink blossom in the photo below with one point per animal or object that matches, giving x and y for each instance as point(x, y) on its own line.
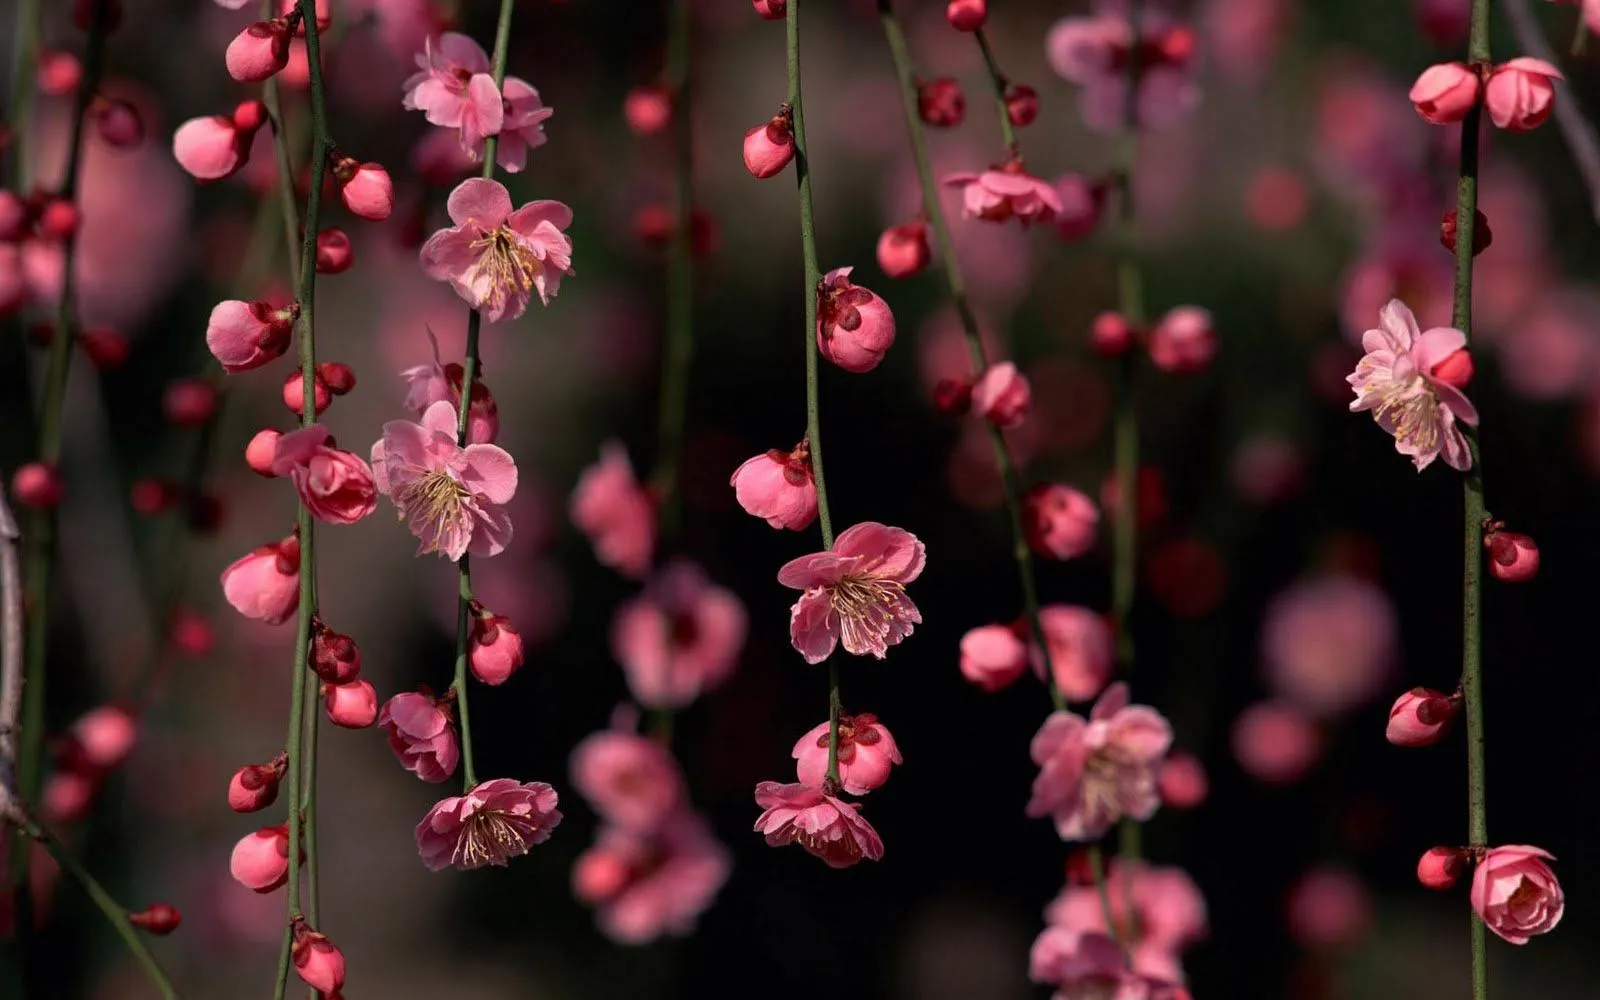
point(1006, 193)
point(1079, 641)
point(265, 584)
point(495, 821)
point(828, 827)
point(335, 485)
point(866, 753)
point(855, 327)
point(455, 89)
point(645, 887)
point(617, 514)
point(992, 656)
point(680, 638)
point(246, 335)
point(1159, 914)
point(1328, 907)
point(1275, 742)
point(1094, 52)
point(1521, 93)
point(1095, 771)
point(779, 486)
point(453, 498)
point(496, 257)
point(1085, 965)
point(1395, 380)
point(1329, 644)
point(1059, 521)
point(1515, 892)
point(855, 593)
point(421, 734)
point(429, 384)
point(633, 782)
point(523, 129)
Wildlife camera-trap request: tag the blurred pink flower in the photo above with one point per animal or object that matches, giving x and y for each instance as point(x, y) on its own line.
point(617, 514)
point(1085, 965)
point(265, 584)
point(455, 89)
point(1006, 193)
point(496, 257)
point(1079, 641)
point(1396, 380)
point(1094, 53)
point(1002, 395)
point(1516, 893)
point(1275, 742)
point(1183, 341)
point(101, 738)
point(1552, 349)
point(1329, 644)
point(1329, 907)
point(495, 821)
point(680, 638)
point(645, 887)
point(1159, 914)
point(336, 486)
point(1060, 522)
point(992, 656)
point(1445, 92)
point(855, 593)
point(452, 497)
point(1095, 771)
point(825, 826)
point(421, 734)
point(632, 781)
point(866, 753)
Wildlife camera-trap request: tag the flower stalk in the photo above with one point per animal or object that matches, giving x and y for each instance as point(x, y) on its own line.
point(997, 82)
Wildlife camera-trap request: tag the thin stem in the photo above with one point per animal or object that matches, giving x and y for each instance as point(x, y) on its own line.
point(997, 81)
point(1576, 130)
point(24, 73)
point(834, 709)
point(1580, 35)
point(469, 772)
point(934, 213)
point(308, 809)
point(1097, 868)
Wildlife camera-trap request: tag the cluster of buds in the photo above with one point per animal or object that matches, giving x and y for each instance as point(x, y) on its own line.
point(1181, 342)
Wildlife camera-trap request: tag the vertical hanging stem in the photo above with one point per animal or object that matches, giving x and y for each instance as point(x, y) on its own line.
point(679, 349)
point(24, 73)
point(997, 82)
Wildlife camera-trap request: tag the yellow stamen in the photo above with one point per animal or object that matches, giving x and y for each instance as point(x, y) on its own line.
point(506, 263)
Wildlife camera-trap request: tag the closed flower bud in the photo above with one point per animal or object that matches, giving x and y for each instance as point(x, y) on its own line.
point(1520, 94)
point(855, 328)
point(339, 378)
point(261, 451)
point(259, 51)
point(265, 584)
point(317, 961)
point(335, 657)
point(294, 392)
point(903, 250)
point(495, 650)
point(966, 15)
point(771, 10)
point(255, 786)
point(117, 122)
point(37, 485)
point(1183, 781)
point(1002, 395)
point(246, 335)
point(940, 102)
point(953, 396)
point(1022, 104)
point(157, 918)
point(1513, 556)
point(768, 148)
point(1482, 236)
point(1440, 867)
point(1419, 717)
point(364, 187)
point(1059, 522)
point(189, 402)
point(778, 487)
point(1455, 369)
point(58, 72)
point(353, 705)
point(1111, 335)
point(1444, 93)
point(334, 252)
point(260, 860)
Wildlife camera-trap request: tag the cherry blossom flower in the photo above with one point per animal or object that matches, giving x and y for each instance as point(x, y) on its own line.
point(421, 734)
point(866, 753)
point(1418, 718)
point(855, 593)
point(265, 584)
point(495, 821)
point(680, 638)
point(825, 826)
point(1006, 193)
point(1397, 380)
point(245, 335)
point(1095, 771)
point(779, 486)
point(523, 129)
point(1094, 53)
point(1159, 913)
point(1059, 521)
point(617, 514)
point(335, 485)
point(496, 257)
point(452, 497)
point(429, 384)
point(455, 89)
point(632, 781)
point(645, 887)
point(1516, 893)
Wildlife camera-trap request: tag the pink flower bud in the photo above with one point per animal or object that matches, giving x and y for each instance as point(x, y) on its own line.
point(1418, 718)
point(37, 485)
point(1445, 92)
point(1183, 342)
point(966, 15)
point(769, 148)
point(495, 649)
point(214, 147)
point(1515, 892)
point(1439, 867)
point(1482, 237)
point(261, 451)
point(339, 378)
point(248, 116)
point(335, 657)
point(940, 102)
point(1022, 104)
point(118, 123)
point(157, 918)
point(334, 252)
point(1111, 335)
point(771, 10)
point(151, 496)
point(246, 335)
point(255, 786)
point(598, 875)
point(1002, 395)
point(1520, 93)
point(59, 219)
point(1456, 369)
point(855, 328)
point(778, 486)
point(58, 72)
point(903, 249)
point(953, 397)
point(317, 961)
point(647, 109)
point(421, 734)
point(1060, 522)
point(1183, 781)
point(294, 393)
point(106, 348)
point(992, 656)
point(365, 188)
point(189, 402)
point(1513, 557)
point(265, 584)
point(103, 737)
point(353, 705)
point(259, 51)
point(260, 860)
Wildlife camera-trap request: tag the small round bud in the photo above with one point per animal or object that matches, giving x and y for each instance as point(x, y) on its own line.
point(769, 148)
point(940, 102)
point(118, 123)
point(248, 116)
point(495, 651)
point(1513, 556)
point(903, 250)
point(337, 377)
point(157, 918)
point(334, 252)
point(1455, 370)
point(1440, 867)
point(317, 960)
point(1002, 395)
point(365, 188)
point(1111, 335)
point(1022, 104)
point(261, 450)
point(190, 633)
point(151, 496)
point(189, 402)
point(647, 109)
point(353, 705)
point(966, 15)
point(952, 396)
point(58, 72)
point(1183, 781)
point(771, 10)
point(37, 485)
point(1482, 235)
point(59, 219)
point(255, 786)
point(294, 393)
point(334, 656)
point(1418, 718)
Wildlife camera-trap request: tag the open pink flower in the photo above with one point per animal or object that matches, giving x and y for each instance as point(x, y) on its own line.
point(496, 257)
point(855, 593)
point(1085, 965)
point(679, 638)
point(455, 89)
point(610, 506)
point(1094, 53)
point(1396, 380)
point(1095, 771)
point(1006, 193)
point(826, 826)
point(1159, 913)
point(452, 497)
point(421, 734)
point(645, 887)
point(265, 584)
point(866, 753)
point(1079, 641)
point(524, 125)
point(335, 485)
point(1516, 893)
point(495, 821)
point(632, 781)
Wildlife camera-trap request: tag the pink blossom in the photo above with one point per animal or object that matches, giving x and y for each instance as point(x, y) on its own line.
point(455, 89)
point(453, 498)
point(855, 328)
point(1060, 522)
point(246, 335)
point(1159, 914)
point(495, 821)
point(680, 638)
point(1183, 341)
point(1515, 892)
point(1446, 92)
point(825, 826)
point(259, 51)
point(769, 147)
point(496, 258)
point(855, 593)
point(1183, 781)
point(617, 514)
point(260, 860)
point(632, 781)
point(1513, 556)
point(1520, 93)
point(265, 584)
point(421, 734)
point(1082, 202)
point(903, 250)
point(1328, 907)
point(1094, 53)
point(1395, 380)
point(1085, 965)
point(429, 384)
point(778, 485)
point(495, 649)
point(1079, 641)
point(866, 752)
point(1002, 395)
point(365, 188)
point(1095, 771)
point(352, 705)
point(1275, 742)
point(335, 485)
point(1006, 193)
point(255, 786)
point(1418, 718)
point(102, 738)
point(1329, 644)
point(215, 146)
point(317, 961)
point(524, 126)
point(645, 887)
point(1440, 867)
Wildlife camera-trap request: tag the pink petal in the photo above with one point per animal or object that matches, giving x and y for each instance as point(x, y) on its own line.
point(1435, 345)
point(490, 472)
point(462, 51)
point(440, 417)
point(888, 553)
point(479, 202)
point(1528, 64)
point(526, 219)
point(813, 626)
point(1398, 320)
point(814, 570)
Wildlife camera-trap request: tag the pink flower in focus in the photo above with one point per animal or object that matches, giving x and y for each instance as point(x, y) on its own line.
point(992, 656)
point(1275, 742)
point(866, 752)
point(495, 649)
point(778, 486)
point(1079, 641)
point(1418, 718)
point(632, 781)
point(421, 734)
point(1395, 380)
point(496, 257)
point(1006, 193)
point(1520, 93)
point(617, 514)
point(1159, 914)
point(216, 146)
point(246, 335)
point(317, 961)
point(1002, 395)
point(1095, 771)
point(855, 328)
point(1329, 644)
point(260, 860)
point(365, 188)
point(335, 485)
point(1060, 522)
point(855, 593)
point(1094, 53)
point(769, 147)
point(265, 584)
point(825, 826)
point(1445, 92)
point(680, 638)
point(1183, 341)
point(453, 498)
point(455, 89)
point(495, 821)
point(1515, 892)
point(645, 887)
point(352, 705)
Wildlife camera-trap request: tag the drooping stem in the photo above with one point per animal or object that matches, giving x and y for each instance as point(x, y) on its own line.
point(24, 73)
point(997, 82)
point(469, 376)
point(1009, 477)
point(1097, 868)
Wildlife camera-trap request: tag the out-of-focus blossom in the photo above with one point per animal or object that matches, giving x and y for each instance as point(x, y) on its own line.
point(1095, 771)
point(1079, 641)
point(1275, 742)
point(1060, 522)
point(1094, 53)
point(680, 638)
point(992, 656)
point(617, 514)
point(1006, 193)
point(1329, 644)
point(1329, 908)
point(855, 593)
point(1183, 341)
point(645, 887)
point(495, 821)
point(1158, 911)
point(632, 781)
